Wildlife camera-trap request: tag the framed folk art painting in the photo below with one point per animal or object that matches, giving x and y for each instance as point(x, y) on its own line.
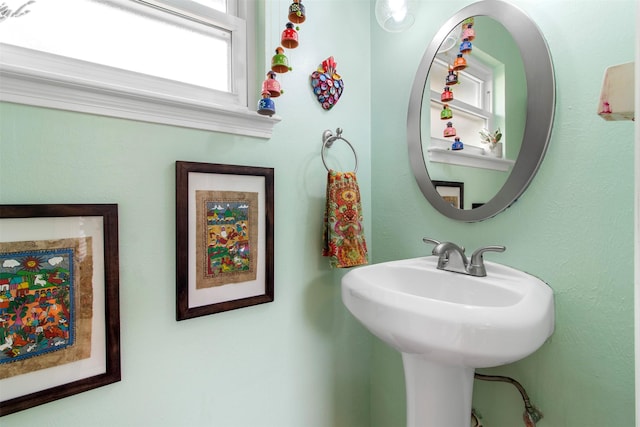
point(59, 302)
point(224, 237)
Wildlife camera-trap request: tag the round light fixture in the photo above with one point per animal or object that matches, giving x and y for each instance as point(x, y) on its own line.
point(395, 15)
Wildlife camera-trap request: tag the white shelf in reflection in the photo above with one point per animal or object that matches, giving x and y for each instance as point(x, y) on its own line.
point(440, 152)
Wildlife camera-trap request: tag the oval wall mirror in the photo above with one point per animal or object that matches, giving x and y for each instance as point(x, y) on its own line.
point(507, 87)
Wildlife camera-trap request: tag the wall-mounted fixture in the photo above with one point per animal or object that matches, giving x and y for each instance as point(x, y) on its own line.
point(395, 15)
point(535, 128)
point(616, 96)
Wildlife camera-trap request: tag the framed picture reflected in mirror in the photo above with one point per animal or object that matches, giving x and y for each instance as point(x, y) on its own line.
point(452, 192)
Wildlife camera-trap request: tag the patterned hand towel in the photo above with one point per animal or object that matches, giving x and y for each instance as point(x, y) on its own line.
point(343, 234)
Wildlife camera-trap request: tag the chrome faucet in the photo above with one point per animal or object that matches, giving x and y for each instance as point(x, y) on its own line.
point(451, 257)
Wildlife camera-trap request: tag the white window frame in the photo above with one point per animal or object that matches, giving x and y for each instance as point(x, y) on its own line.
point(41, 79)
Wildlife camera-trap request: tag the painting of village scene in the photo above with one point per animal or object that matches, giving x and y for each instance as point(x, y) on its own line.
point(227, 254)
point(36, 303)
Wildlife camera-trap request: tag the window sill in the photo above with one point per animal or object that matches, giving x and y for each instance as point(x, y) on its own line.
point(43, 80)
point(470, 156)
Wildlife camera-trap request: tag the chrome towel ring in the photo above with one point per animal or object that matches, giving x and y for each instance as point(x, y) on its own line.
point(328, 138)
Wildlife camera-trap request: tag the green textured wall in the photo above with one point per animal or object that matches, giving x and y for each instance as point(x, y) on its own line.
point(573, 227)
point(302, 360)
point(299, 361)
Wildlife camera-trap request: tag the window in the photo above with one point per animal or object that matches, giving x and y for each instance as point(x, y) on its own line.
point(180, 62)
point(473, 103)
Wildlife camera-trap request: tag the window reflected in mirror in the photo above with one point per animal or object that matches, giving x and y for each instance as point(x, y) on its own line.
point(470, 95)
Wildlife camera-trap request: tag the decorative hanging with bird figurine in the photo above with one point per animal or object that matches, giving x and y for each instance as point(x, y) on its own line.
point(290, 36)
point(266, 106)
point(297, 12)
point(279, 61)
point(271, 85)
point(467, 34)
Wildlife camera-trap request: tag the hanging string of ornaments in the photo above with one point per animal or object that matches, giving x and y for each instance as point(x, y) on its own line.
point(279, 62)
point(326, 83)
point(460, 63)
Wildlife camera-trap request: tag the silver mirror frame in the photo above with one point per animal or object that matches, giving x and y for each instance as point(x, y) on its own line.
point(541, 94)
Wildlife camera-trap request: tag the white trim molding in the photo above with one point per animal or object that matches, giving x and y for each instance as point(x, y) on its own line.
point(46, 80)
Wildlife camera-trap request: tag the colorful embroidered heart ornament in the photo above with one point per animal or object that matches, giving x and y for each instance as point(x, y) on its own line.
point(327, 84)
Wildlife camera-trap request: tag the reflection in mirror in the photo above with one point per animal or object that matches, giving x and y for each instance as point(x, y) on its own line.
point(473, 92)
point(487, 98)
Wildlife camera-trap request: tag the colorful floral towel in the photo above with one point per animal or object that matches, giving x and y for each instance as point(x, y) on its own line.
point(343, 234)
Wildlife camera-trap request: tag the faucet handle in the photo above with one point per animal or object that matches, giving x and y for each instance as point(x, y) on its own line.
point(436, 242)
point(476, 265)
point(430, 240)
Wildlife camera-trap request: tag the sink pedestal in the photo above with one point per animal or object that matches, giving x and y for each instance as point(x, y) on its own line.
point(437, 394)
point(446, 325)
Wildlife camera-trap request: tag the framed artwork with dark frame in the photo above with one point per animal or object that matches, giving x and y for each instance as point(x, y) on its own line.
point(59, 302)
point(452, 192)
point(224, 237)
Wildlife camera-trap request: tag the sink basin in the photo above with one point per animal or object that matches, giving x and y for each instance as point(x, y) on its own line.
point(447, 324)
point(455, 318)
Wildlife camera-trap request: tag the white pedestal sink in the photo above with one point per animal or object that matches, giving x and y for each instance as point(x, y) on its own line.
point(448, 324)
